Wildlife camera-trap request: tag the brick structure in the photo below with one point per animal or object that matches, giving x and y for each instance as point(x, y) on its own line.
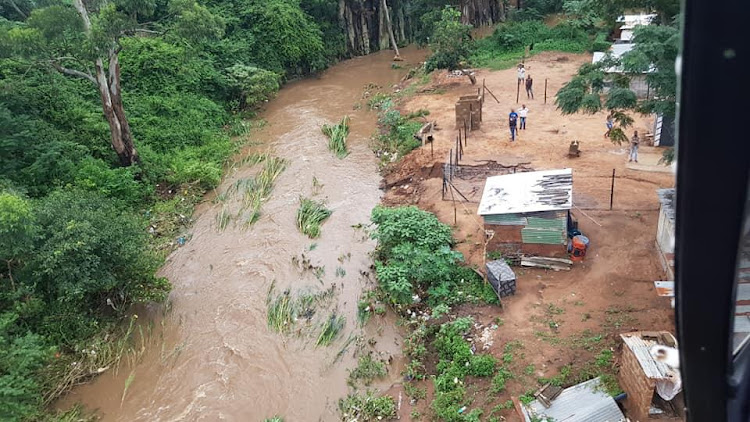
point(639, 384)
point(469, 110)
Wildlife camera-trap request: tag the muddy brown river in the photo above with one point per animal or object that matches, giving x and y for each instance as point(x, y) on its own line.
point(216, 359)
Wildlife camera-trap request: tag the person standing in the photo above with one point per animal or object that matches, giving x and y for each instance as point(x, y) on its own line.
point(610, 125)
point(634, 143)
point(521, 74)
point(522, 113)
point(513, 124)
point(529, 90)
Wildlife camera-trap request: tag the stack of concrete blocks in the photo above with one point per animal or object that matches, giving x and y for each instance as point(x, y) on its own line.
point(469, 110)
point(501, 278)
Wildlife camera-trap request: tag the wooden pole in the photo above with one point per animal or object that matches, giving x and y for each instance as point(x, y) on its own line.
point(466, 134)
point(612, 191)
point(518, 90)
point(432, 149)
point(493, 95)
point(545, 90)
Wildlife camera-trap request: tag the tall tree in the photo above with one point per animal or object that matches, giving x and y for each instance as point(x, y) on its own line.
point(82, 40)
point(390, 29)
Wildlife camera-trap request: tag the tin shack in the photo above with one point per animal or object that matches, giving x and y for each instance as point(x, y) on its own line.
point(528, 213)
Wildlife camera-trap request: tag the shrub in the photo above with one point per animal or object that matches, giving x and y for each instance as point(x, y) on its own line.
point(408, 225)
point(251, 85)
point(367, 408)
point(451, 41)
point(89, 253)
point(482, 365)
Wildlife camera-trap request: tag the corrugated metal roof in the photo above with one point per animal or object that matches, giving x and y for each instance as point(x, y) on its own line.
point(642, 350)
point(585, 402)
point(500, 269)
point(631, 21)
point(667, 197)
point(506, 219)
point(525, 192)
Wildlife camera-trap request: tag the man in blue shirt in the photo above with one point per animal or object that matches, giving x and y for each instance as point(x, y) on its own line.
point(513, 124)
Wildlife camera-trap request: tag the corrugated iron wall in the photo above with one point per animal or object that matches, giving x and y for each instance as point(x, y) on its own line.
point(548, 227)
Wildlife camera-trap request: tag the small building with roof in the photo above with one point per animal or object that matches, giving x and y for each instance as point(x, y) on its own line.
point(638, 82)
point(528, 213)
point(585, 402)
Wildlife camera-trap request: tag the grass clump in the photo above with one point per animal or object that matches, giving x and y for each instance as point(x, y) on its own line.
point(367, 408)
point(284, 310)
point(310, 215)
point(274, 419)
point(337, 137)
point(258, 192)
point(331, 329)
point(367, 370)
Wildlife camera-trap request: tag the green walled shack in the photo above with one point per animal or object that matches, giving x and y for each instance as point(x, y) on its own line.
point(528, 213)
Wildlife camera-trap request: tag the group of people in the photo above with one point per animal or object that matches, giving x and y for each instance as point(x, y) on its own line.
point(513, 117)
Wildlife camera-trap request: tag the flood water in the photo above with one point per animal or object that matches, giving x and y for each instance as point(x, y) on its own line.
point(216, 358)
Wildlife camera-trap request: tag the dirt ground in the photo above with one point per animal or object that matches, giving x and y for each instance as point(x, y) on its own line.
point(558, 318)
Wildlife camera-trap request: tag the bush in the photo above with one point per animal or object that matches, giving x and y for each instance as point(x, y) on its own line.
point(251, 85)
point(451, 41)
point(88, 254)
point(408, 225)
point(482, 365)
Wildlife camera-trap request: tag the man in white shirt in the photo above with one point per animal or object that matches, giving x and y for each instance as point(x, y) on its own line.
point(522, 113)
point(521, 74)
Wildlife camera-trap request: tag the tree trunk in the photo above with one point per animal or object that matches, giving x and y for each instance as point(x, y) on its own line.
point(390, 29)
point(111, 99)
point(129, 155)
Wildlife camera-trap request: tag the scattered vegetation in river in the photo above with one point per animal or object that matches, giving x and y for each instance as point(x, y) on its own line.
point(254, 158)
point(258, 192)
point(274, 419)
point(367, 370)
point(337, 137)
point(331, 329)
point(223, 218)
point(284, 310)
point(310, 215)
point(367, 407)
point(340, 272)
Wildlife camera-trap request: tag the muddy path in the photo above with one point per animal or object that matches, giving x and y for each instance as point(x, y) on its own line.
point(215, 358)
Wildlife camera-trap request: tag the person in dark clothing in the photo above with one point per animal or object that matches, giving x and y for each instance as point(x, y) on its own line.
point(529, 85)
point(513, 124)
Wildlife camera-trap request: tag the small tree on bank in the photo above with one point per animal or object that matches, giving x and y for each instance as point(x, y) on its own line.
point(82, 40)
point(451, 41)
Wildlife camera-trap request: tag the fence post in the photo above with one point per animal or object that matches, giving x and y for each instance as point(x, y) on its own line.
point(432, 149)
point(612, 191)
point(545, 90)
point(518, 90)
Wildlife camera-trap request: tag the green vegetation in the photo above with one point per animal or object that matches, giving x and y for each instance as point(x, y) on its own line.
point(284, 310)
point(331, 329)
point(337, 137)
point(414, 259)
point(396, 136)
point(367, 408)
point(506, 46)
point(450, 43)
point(274, 419)
point(367, 370)
point(310, 215)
